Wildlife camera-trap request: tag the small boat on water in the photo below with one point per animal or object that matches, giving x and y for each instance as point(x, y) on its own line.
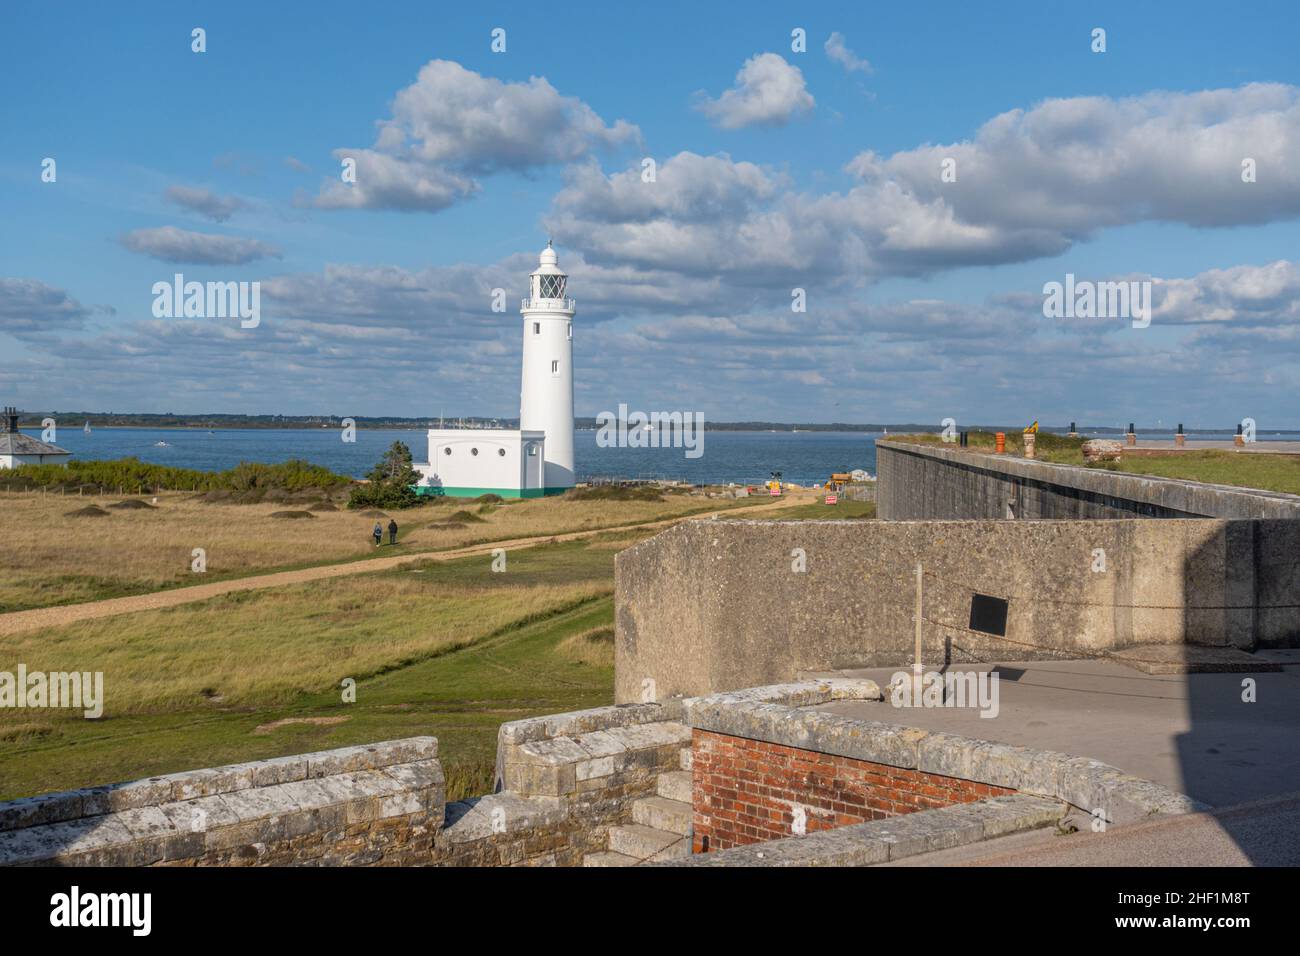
point(162, 444)
point(87, 428)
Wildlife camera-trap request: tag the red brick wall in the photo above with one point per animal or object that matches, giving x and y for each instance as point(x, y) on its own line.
point(745, 791)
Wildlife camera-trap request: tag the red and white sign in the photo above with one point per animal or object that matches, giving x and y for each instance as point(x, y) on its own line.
point(776, 491)
point(832, 499)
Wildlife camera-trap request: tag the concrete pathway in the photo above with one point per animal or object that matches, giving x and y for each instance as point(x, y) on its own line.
point(1263, 833)
point(1193, 732)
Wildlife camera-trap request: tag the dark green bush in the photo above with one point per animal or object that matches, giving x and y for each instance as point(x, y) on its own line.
point(391, 483)
point(134, 475)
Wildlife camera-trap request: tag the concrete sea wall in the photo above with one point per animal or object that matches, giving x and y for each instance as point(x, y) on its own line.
point(927, 481)
point(709, 606)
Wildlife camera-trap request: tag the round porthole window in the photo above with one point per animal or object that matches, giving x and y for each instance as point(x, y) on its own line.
point(501, 452)
point(446, 451)
point(473, 451)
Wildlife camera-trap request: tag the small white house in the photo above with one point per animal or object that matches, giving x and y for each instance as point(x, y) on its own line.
point(468, 462)
point(19, 449)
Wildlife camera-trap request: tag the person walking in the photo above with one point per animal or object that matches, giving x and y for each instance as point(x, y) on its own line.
point(392, 531)
point(378, 532)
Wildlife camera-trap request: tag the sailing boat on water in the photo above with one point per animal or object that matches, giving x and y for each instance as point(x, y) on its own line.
point(87, 428)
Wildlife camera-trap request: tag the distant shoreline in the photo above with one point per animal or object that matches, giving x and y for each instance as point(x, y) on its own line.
point(590, 425)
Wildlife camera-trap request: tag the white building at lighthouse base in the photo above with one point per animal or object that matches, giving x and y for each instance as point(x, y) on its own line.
point(468, 462)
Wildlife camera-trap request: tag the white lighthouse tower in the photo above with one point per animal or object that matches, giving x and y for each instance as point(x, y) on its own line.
point(546, 397)
point(536, 458)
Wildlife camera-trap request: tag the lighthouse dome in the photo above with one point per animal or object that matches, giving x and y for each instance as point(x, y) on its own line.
point(548, 282)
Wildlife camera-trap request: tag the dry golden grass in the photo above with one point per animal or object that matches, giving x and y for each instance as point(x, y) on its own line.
point(51, 558)
point(542, 516)
point(594, 647)
point(269, 646)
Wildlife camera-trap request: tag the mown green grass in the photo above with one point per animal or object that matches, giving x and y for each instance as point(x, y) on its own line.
point(1258, 470)
point(1243, 469)
point(1047, 446)
point(459, 691)
point(820, 511)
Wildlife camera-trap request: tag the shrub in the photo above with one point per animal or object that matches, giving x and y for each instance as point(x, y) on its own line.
point(132, 474)
point(391, 483)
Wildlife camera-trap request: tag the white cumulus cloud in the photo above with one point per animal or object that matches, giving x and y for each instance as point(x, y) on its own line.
point(768, 92)
point(453, 125)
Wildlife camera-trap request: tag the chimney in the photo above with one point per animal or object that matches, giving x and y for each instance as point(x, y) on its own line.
point(11, 419)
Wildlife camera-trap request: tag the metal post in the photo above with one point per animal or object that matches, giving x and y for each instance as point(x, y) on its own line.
point(916, 667)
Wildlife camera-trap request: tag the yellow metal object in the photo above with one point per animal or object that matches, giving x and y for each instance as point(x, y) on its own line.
point(1032, 429)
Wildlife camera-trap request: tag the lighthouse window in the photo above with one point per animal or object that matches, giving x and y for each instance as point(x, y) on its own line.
point(501, 452)
point(537, 328)
point(555, 366)
point(570, 330)
point(551, 287)
point(473, 451)
point(446, 451)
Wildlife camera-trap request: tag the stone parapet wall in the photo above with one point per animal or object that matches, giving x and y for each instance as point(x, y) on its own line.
point(563, 781)
point(358, 806)
point(506, 829)
point(895, 838)
point(575, 775)
point(585, 752)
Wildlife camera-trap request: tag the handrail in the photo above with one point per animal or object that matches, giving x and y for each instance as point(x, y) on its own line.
point(528, 302)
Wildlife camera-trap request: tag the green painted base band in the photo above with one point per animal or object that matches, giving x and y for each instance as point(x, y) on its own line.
point(425, 491)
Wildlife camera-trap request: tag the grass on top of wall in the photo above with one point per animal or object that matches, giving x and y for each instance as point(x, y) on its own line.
point(1242, 469)
point(1047, 447)
point(1220, 467)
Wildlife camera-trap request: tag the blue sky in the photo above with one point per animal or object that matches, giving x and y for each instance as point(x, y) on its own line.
point(776, 169)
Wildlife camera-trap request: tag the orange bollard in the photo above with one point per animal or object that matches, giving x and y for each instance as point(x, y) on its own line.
point(1001, 442)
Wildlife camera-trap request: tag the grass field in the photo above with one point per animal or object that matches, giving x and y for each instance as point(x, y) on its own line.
point(444, 648)
point(1242, 469)
point(818, 510)
point(51, 556)
point(448, 648)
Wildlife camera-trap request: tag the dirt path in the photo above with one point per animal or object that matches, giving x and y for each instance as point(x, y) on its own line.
point(16, 621)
